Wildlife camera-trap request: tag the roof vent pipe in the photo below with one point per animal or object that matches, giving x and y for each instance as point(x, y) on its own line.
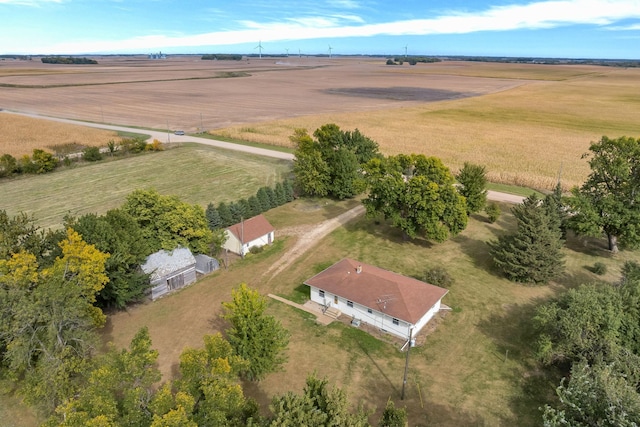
point(359, 269)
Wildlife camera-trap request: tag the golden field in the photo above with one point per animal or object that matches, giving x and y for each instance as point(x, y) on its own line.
point(20, 135)
point(527, 123)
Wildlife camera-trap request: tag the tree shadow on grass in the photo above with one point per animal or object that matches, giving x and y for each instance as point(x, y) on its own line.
point(478, 252)
point(382, 229)
point(513, 333)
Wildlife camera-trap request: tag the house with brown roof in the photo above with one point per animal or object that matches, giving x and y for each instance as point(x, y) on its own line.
point(389, 301)
point(252, 232)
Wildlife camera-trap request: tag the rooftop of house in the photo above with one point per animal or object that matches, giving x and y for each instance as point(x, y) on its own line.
point(393, 294)
point(251, 229)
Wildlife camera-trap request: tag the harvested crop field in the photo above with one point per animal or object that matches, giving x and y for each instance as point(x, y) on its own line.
point(525, 122)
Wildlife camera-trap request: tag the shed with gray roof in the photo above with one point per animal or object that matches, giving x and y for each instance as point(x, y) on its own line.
point(170, 270)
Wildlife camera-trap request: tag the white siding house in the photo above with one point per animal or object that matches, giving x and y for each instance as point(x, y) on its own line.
point(170, 270)
point(252, 232)
point(389, 301)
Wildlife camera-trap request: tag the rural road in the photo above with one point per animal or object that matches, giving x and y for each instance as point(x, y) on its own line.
point(307, 236)
point(165, 136)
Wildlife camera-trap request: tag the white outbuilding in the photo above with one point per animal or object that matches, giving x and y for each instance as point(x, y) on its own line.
point(256, 231)
point(170, 270)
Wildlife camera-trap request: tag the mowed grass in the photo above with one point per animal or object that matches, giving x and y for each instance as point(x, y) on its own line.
point(195, 173)
point(20, 135)
point(476, 367)
point(526, 136)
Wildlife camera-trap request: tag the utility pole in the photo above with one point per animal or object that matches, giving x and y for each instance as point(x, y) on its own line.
point(406, 364)
point(168, 133)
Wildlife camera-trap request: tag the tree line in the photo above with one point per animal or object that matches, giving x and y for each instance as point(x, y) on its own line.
point(41, 161)
point(68, 60)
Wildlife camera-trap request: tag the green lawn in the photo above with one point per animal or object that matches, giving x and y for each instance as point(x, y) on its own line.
point(195, 173)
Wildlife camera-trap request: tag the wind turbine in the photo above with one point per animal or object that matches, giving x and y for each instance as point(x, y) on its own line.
point(330, 48)
point(287, 49)
point(259, 47)
point(405, 51)
point(299, 53)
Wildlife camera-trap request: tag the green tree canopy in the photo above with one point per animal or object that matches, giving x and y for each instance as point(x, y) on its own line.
point(118, 234)
point(609, 201)
point(167, 223)
point(255, 336)
point(417, 194)
point(533, 254)
point(473, 183)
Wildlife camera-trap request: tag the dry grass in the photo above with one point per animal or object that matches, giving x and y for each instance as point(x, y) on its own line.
point(20, 135)
point(476, 368)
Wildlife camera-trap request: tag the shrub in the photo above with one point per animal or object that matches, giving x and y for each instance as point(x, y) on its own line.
point(155, 146)
point(599, 268)
point(92, 154)
point(256, 249)
point(438, 276)
point(493, 212)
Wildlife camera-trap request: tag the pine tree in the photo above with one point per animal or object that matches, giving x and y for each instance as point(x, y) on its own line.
point(254, 206)
point(288, 190)
point(263, 199)
point(273, 202)
point(213, 217)
point(237, 212)
point(281, 197)
point(533, 254)
point(225, 214)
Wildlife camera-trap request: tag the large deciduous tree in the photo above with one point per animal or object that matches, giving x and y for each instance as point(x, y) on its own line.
point(331, 164)
point(255, 336)
point(609, 201)
point(533, 254)
point(118, 234)
point(594, 396)
point(167, 223)
point(473, 182)
point(417, 194)
point(48, 318)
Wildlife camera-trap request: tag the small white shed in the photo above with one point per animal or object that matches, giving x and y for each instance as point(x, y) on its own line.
point(256, 231)
point(170, 270)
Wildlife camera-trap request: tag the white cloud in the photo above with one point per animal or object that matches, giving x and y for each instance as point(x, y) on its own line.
point(535, 15)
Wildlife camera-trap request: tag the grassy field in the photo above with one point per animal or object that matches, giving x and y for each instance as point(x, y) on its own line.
point(195, 173)
point(475, 368)
point(525, 136)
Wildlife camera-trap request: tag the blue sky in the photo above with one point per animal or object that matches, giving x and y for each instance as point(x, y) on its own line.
point(564, 28)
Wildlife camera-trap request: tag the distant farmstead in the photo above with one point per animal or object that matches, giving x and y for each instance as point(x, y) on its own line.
point(256, 231)
point(389, 301)
point(170, 270)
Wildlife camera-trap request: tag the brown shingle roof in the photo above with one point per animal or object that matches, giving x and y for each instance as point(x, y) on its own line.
point(395, 295)
point(252, 229)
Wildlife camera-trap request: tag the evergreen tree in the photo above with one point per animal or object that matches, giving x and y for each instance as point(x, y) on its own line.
point(273, 201)
point(533, 254)
point(281, 197)
point(237, 212)
point(263, 199)
point(247, 212)
point(288, 190)
point(226, 217)
point(254, 206)
point(213, 217)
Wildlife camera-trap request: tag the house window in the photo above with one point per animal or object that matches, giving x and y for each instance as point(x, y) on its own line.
point(349, 303)
point(396, 322)
point(321, 293)
point(369, 311)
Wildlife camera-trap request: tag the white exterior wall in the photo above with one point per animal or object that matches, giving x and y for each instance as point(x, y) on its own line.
point(375, 318)
point(233, 243)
